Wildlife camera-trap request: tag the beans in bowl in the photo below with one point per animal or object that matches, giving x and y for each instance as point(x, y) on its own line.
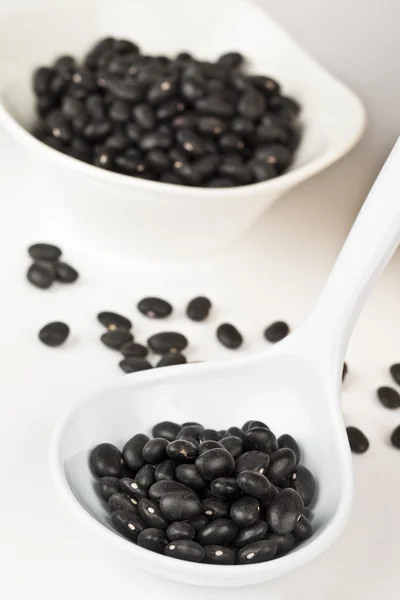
point(235, 496)
point(178, 120)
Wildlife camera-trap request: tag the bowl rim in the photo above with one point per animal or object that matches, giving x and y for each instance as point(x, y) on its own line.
point(282, 182)
point(271, 569)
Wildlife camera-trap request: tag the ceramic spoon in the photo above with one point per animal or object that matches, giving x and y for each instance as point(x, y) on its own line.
point(294, 387)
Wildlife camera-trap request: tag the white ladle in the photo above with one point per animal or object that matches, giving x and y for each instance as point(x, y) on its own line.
point(294, 388)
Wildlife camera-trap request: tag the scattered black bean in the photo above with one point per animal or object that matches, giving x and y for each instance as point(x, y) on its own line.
point(65, 273)
point(395, 437)
point(358, 441)
point(170, 360)
point(395, 372)
point(133, 350)
point(155, 308)
point(229, 336)
point(198, 308)
point(389, 397)
point(45, 252)
point(114, 321)
point(41, 275)
point(133, 364)
point(153, 539)
point(54, 334)
point(167, 341)
point(276, 331)
point(114, 338)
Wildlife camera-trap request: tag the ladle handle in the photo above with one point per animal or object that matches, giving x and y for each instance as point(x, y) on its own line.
point(371, 243)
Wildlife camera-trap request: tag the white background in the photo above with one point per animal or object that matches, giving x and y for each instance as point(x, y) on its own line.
point(275, 273)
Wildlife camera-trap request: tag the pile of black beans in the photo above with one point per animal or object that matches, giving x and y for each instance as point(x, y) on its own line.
point(47, 267)
point(176, 120)
point(237, 496)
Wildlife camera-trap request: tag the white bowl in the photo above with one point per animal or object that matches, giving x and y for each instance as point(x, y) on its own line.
point(145, 219)
point(136, 402)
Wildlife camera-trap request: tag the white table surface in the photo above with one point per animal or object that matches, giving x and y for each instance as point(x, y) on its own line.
point(276, 272)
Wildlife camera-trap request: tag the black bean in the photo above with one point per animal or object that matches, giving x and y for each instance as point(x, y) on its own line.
point(230, 141)
point(276, 155)
point(284, 543)
point(181, 506)
point(44, 104)
point(225, 487)
point(105, 460)
point(130, 165)
point(131, 349)
point(162, 90)
point(185, 550)
point(133, 489)
point(132, 451)
point(395, 372)
point(304, 483)
point(192, 143)
point(212, 126)
point(96, 130)
point(395, 437)
point(245, 511)
point(231, 60)
point(220, 531)
point(167, 341)
point(208, 435)
point(251, 533)
point(250, 424)
point(233, 444)
point(254, 460)
point(79, 123)
point(151, 514)
point(205, 167)
point(167, 430)
point(193, 89)
point(209, 445)
point(232, 166)
point(168, 110)
point(215, 463)
point(214, 106)
point(198, 523)
point(163, 487)
point(358, 441)
point(221, 182)
point(180, 530)
point(389, 397)
point(128, 523)
point(236, 432)
point(54, 334)
point(172, 359)
point(182, 450)
point(114, 338)
point(253, 484)
point(284, 511)
point(154, 451)
point(229, 336)
point(252, 104)
point(344, 371)
point(65, 273)
point(125, 47)
point(120, 501)
point(276, 331)
point(127, 89)
point(153, 539)
point(42, 78)
point(114, 321)
point(265, 84)
point(108, 486)
point(261, 170)
point(155, 308)
point(282, 463)
point(190, 431)
point(189, 475)
point(71, 107)
point(117, 142)
point(81, 150)
point(303, 528)
point(271, 135)
point(145, 477)
point(41, 275)
point(219, 555)
point(144, 116)
point(158, 160)
point(261, 438)
point(284, 103)
point(287, 441)
point(166, 471)
point(215, 508)
point(256, 552)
